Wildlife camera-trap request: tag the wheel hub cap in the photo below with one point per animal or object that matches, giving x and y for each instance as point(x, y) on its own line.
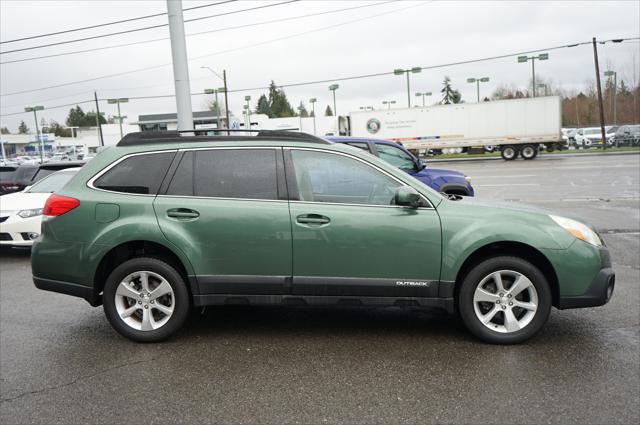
point(144, 300)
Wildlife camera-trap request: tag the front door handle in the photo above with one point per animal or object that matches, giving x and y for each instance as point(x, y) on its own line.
point(313, 219)
point(183, 213)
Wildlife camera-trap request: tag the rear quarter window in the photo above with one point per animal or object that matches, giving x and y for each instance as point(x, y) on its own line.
point(141, 174)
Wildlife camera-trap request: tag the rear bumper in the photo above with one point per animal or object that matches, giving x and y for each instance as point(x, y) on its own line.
point(599, 292)
point(68, 288)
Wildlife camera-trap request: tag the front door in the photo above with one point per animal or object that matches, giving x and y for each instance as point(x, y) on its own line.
point(227, 210)
point(348, 238)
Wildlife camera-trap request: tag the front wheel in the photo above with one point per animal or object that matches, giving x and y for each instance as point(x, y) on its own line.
point(145, 299)
point(504, 300)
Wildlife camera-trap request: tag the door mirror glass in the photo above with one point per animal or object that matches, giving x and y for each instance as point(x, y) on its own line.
point(407, 196)
point(422, 164)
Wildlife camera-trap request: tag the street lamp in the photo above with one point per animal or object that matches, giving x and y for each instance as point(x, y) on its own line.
point(119, 117)
point(615, 92)
point(427, 93)
point(414, 70)
point(215, 92)
point(333, 88)
point(248, 108)
point(313, 101)
point(35, 117)
point(388, 103)
point(366, 108)
point(224, 90)
point(478, 81)
point(523, 59)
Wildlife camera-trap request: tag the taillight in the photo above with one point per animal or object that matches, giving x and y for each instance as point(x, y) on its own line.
point(57, 205)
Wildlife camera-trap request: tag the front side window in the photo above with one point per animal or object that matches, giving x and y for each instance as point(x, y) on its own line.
point(227, 173)
point(140, 174)
point(327, 177)
point(396, 157)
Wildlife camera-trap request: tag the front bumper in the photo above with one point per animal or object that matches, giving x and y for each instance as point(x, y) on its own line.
point(18, 231)
point(599, 292)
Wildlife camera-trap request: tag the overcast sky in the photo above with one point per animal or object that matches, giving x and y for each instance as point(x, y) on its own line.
point(396, 34)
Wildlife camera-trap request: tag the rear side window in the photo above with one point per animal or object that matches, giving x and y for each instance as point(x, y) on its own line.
point(141, 174)
point(227, 173)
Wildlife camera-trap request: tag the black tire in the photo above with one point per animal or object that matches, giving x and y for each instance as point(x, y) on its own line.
point(528, 152)
point(485, 268)
point(180, 301)
point(509, 152)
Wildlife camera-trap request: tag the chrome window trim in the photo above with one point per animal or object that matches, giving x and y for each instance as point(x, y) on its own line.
point(430, 207)
point(222, 198)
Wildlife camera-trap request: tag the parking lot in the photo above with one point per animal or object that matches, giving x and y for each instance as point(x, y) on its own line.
point(61, 362)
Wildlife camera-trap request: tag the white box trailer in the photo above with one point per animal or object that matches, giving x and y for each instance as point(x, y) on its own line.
point(516, 126)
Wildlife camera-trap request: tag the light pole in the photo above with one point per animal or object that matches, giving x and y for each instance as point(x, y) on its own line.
point(427, 93)
point(248, 108)
point(35, 117)
point(523, 59)
point(388, 103)
point(615, 92)
point(217, 111)
point(478, 81)
point(333, 88)
point(120, 117)
point(223, 89)
point(414, 70)
point(313, 101)
point(366, 108)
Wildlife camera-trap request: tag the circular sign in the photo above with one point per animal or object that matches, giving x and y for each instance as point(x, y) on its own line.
point(373, 125)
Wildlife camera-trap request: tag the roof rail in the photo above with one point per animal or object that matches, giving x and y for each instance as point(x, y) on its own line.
point(150, 137)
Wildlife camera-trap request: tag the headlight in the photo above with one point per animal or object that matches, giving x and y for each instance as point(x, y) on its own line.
point(468, 179)
point(578, 230)
point(30, 213)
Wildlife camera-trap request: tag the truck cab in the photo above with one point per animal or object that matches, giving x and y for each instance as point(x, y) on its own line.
point(445, 181)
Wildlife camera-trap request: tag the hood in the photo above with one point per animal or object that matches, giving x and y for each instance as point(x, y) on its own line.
point(23, 201)
point(442, 172)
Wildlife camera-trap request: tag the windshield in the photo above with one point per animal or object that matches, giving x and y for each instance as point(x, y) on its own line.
point(52, 183)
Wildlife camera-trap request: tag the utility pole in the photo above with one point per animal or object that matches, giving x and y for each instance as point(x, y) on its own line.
point(313, 101)
point(600, 103)
point(98, 124)
point(226, 98)
point(180, 65)
point(35, 118)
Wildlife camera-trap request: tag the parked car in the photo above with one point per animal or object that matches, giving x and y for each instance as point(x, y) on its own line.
point(627, 135)
point(27, 174)
point(7, 179)
point(21, 212)
point(446, 181)
point(25, 159)
point(163, 222)
point(568, 135)
point(586, 137)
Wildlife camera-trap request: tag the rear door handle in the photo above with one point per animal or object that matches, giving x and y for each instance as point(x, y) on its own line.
point(313, 219)
point(183, 213)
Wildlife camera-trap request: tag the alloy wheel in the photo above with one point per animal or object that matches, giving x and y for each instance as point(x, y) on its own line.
point(505, 301)
point(144, 300)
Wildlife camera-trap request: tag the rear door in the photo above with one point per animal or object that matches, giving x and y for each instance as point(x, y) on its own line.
point(348, 238)
point(226, 208)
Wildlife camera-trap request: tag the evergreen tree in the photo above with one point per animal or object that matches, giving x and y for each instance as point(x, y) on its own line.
point(449, 94)
point(328, 112)
point(76, 117)
point(4, 130)
point(22, 128)
point(278, 103)
point(303, 110)
point(263, 106)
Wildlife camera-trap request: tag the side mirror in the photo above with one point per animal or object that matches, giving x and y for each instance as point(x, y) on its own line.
point(407, 196)
point(422, 164)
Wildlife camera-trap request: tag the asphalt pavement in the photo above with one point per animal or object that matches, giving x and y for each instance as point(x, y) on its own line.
point(60, 361)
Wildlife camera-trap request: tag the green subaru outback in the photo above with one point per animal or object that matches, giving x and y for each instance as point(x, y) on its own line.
point(162, 223)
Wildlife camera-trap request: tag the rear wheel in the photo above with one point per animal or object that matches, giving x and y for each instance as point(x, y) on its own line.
point(504, 300)
point(528, 152)
point(145, 299)
point(509, 153)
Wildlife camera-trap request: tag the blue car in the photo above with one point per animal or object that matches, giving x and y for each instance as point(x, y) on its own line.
point(446, 181)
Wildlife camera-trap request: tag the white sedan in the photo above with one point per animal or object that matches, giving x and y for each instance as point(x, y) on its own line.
point(21, 212)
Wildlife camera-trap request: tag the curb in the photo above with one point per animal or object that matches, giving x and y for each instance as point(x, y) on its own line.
point(540, 155)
